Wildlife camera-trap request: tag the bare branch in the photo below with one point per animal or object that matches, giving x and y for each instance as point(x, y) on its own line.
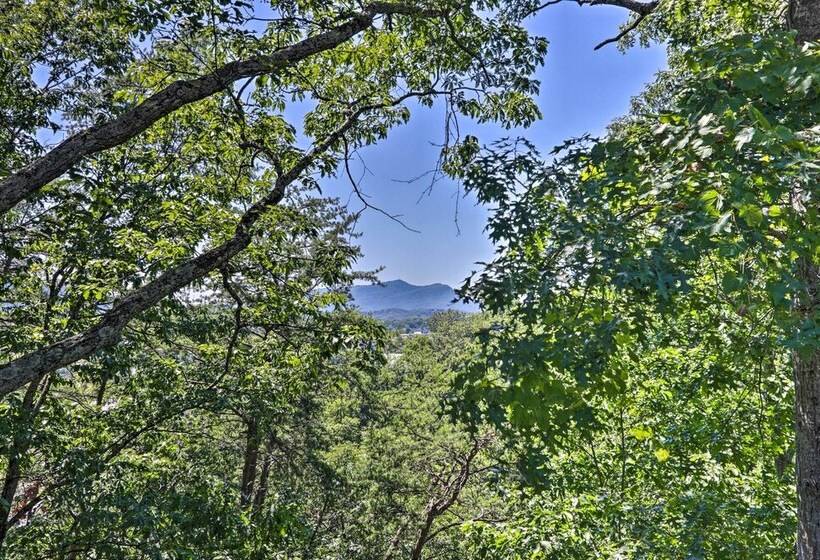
point(362, 197)
point(541, 7)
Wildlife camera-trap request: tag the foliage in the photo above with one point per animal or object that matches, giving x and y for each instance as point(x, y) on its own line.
point(138, 454)
point(646, 284)
point(688, 458)
point(204, 234)
point(351, 454)
point(628, 397)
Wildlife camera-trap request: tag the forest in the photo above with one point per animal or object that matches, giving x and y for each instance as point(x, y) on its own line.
point(183, 374)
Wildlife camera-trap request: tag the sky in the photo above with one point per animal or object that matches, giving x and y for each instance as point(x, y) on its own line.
point(582, 91)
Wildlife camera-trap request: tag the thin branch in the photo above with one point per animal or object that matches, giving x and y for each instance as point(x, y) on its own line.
point(623, 33)
point(226, 282)
point(541, 7)
point(360, 195)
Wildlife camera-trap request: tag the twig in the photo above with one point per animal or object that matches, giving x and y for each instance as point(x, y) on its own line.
point(623, 33)
point(357, 191)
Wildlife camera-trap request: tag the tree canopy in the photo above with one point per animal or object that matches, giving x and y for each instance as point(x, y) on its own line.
point(183, 374)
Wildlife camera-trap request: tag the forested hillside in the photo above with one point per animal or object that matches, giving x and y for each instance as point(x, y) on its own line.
point(405, 307)
point(184, 372)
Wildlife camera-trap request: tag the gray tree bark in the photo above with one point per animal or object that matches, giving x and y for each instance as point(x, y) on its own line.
point(807, 430)
point(804, 17)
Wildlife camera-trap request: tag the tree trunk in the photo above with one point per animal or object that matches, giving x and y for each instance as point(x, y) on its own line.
point(249, 468)
point(262, 491)
point(807, 427)
point(804, 17)
point(424, 535)
point(807, 413)
point(16, 454)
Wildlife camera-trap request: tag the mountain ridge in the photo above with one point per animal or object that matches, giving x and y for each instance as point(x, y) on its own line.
point(401, 296)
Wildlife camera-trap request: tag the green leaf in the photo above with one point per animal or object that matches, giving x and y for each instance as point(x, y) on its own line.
point(752, 214)
point(662, 454)
point(641, 434)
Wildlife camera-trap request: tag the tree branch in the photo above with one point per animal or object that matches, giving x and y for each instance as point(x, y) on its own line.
point(451, 490)
point(640, 8)
point(28, 180)
point(107, 331)
point(362, 197)
point(623, 33)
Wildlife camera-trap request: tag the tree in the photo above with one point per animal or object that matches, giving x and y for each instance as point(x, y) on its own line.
point(712, 177)
point(147, 450)
point(479, 65)
point(678, 447)
point(180, 155)
point(411, 479)
point(175, 336)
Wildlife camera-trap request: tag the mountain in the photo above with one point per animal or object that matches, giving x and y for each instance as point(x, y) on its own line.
point(398, 298)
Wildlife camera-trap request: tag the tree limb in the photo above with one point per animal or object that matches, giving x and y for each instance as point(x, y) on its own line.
point(106, 332)
point(28, 180)
point(451, 492)
point(631, 27)
point(640, 8)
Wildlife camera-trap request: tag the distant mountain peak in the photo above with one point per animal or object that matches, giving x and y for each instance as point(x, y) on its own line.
point(399, 295)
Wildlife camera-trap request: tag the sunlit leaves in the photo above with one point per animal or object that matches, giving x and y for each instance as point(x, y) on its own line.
point(628, 265)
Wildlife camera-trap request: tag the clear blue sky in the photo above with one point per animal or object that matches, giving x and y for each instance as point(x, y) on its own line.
point(581, 91)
